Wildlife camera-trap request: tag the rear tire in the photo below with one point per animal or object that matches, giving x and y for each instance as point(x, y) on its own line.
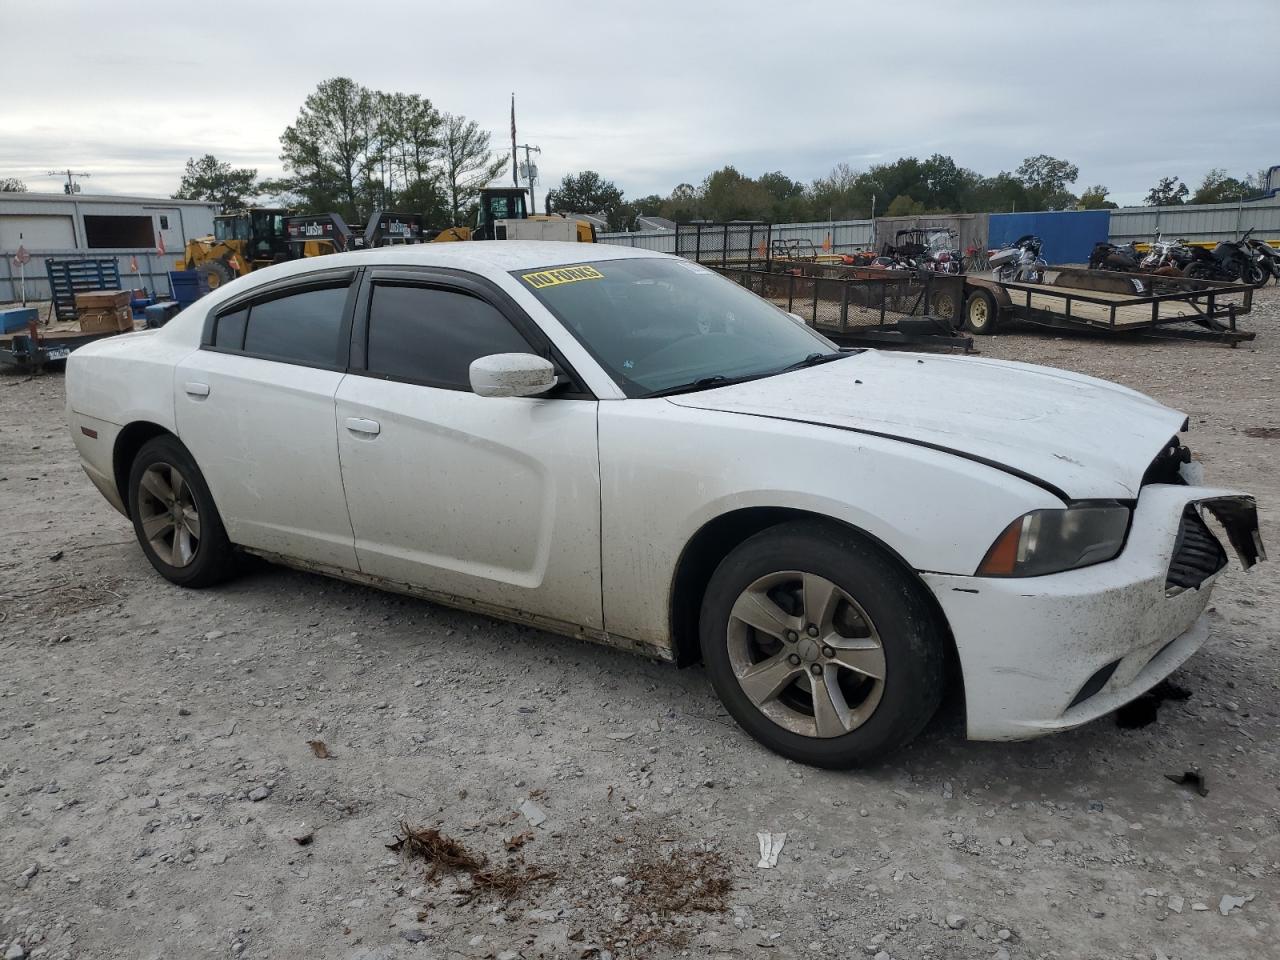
point(980, 313)
point(795, 625)
point(1197, 270)
point(174, 517)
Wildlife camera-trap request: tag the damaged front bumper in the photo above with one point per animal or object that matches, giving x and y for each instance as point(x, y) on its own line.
point(1041, 654)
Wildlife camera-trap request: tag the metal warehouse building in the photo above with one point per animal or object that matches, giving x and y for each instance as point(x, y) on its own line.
point(81, 225)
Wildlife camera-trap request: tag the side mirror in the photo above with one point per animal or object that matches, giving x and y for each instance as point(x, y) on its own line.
point(511, 375)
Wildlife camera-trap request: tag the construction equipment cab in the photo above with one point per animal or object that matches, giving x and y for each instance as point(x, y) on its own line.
point(503, 214)
point(240, 243)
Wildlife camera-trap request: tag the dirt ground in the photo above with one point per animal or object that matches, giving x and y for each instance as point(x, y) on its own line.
point(156, 774)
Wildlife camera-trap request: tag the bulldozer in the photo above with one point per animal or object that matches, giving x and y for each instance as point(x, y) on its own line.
point(504, 215)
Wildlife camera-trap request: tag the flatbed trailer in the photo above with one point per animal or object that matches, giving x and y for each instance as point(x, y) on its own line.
point(1108, 302)
point(40, 344)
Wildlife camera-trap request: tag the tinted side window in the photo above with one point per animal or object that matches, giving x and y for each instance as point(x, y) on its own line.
point(229, 333)
point(430, 335)
point(300, 328)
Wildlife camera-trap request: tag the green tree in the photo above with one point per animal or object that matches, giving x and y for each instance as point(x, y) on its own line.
point(588, 192)
point(787, 200)
point(684, 204)
point(209, 178)
point(1217, 187)
point(904, 205)
point(1169, 192)
point(12, 185)
point(1046, 179)
point(409, 134)
point(1003, 193)
point(727, 194)
point(1095, 198)
point(837, 195)
point(468, 163)
point(329, 152)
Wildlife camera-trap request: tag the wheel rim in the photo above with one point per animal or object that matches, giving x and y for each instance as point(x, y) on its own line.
point(944, 306)
point(168, 513)
point(978, 312)
point(806, 654)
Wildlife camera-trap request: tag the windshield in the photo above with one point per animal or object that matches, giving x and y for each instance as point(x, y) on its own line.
point(657, 324)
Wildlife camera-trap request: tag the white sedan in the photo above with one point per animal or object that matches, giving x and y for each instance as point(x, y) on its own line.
point(624, 446)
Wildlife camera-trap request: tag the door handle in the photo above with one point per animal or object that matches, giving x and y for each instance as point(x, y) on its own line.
point(360, 425)
point(196, 389)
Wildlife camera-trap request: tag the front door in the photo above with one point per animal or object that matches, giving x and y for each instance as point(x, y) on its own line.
point(494, 501)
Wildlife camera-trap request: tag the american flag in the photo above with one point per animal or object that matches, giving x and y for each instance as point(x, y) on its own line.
point(160, 244)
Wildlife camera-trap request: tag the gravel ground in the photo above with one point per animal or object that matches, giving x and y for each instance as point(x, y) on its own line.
point(157, 773)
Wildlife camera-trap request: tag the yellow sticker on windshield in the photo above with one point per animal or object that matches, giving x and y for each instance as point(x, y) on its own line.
point(553, 278)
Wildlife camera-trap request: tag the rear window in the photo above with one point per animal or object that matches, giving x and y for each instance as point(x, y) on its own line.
point(297, 328)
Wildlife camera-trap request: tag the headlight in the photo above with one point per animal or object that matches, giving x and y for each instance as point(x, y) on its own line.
point(1050, 541)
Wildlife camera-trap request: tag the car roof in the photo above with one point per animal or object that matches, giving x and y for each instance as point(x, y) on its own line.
point(480, 256)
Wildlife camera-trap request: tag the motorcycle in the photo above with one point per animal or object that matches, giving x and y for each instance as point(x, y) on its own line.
point(1020, 262)
point(1266, 256)
point(1162, 256)
point(1227, 261)
point(1110, 256)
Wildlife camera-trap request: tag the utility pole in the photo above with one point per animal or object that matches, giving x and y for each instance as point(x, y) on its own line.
point(530, 171)
point(70, 186)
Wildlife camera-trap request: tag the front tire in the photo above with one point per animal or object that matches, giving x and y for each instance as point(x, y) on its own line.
point(174, 517)
point(820, 646)
point(216, 273)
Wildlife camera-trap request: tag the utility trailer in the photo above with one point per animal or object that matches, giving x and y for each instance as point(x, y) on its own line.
point(39, 345)
point(1108, 302)
point(855, 306)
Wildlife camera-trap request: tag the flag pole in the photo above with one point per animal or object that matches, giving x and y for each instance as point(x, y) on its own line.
point(515, 164)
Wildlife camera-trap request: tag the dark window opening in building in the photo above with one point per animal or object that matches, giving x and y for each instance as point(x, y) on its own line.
point(164, 221)
point(105, 231)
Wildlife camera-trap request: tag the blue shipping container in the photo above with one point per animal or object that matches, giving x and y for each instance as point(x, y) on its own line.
point(1068, 235)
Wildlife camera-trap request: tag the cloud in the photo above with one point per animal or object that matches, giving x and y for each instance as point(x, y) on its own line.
point(648, 94)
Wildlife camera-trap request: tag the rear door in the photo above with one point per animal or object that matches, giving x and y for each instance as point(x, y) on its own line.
point(255, 406)
point(492, 500)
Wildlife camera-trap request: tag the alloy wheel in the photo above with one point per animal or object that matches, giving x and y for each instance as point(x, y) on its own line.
point(806, 654)
point(169, 516)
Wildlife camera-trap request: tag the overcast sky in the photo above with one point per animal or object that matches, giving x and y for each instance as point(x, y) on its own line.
point(654, 93)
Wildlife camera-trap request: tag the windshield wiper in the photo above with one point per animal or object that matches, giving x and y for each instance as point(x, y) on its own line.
point(703, 383)
point(813, 359)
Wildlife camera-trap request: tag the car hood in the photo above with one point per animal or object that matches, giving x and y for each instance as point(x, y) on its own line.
point(1084, 437)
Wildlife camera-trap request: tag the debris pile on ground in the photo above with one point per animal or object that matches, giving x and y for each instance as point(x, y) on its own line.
point(445, 855)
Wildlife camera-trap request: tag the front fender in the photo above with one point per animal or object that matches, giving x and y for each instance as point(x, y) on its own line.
point(666, 471)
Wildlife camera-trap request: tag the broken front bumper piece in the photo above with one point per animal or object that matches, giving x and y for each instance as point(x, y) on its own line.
point(1041, 654)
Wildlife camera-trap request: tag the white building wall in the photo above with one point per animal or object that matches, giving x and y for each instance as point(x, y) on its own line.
point(52, 226)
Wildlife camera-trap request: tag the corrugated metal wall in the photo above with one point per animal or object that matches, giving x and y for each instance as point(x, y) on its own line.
point(1070, 229)
point(153, 271)
point(971, 228)
point(1209, 221)
point(1068, 235)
